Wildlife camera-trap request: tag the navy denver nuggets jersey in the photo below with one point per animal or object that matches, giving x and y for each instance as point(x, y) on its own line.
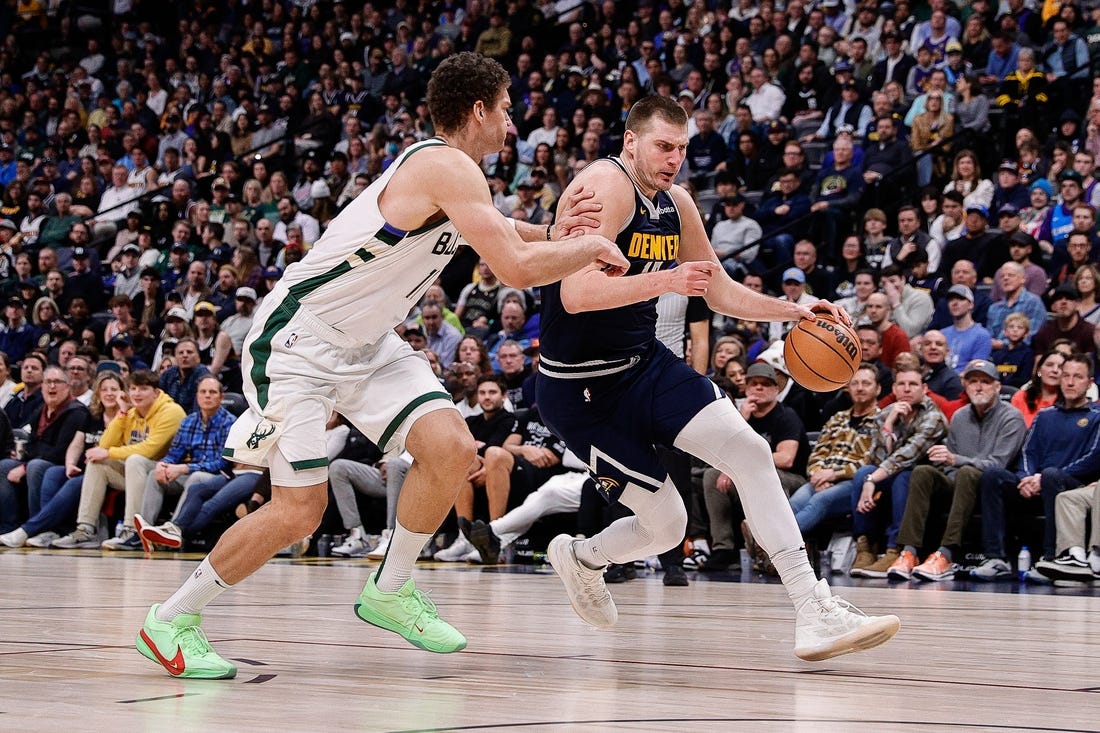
point(651, 242)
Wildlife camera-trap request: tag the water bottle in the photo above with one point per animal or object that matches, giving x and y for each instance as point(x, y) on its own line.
point(1023, 562)
point(324, 545)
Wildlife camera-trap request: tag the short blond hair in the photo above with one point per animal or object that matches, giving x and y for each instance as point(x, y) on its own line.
point(1019, 319)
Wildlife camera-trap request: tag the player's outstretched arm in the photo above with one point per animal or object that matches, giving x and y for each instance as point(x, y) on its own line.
point(464, 197)
point(727, 296)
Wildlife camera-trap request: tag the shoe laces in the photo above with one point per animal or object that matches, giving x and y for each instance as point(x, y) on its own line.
point(593, 583)
point(834, 608)
point(192, 639)
point(422, 605)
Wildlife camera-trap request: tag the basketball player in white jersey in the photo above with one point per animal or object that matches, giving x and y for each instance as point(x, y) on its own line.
point(323, 341)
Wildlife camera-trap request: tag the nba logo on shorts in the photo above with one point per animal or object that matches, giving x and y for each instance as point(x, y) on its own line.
point(291, 340)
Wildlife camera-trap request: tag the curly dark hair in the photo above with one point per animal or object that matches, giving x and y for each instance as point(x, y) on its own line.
point(458, 83)
point(646, 108)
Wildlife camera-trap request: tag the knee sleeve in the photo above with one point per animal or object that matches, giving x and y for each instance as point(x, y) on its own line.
point(660, 517)
point(719, 435)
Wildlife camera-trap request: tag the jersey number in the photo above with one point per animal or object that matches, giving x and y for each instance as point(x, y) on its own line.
point(444, 246)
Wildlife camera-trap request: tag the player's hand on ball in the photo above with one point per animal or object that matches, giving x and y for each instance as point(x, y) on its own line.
point(832, 309)
point(692, 278)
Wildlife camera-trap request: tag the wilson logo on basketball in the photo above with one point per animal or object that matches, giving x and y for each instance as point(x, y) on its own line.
point(841, 337)
point(822, 354)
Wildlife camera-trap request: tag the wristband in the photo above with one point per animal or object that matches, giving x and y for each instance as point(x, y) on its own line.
point(548, 228)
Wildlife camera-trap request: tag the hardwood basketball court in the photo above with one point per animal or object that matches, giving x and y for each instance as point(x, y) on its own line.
point(715, 656)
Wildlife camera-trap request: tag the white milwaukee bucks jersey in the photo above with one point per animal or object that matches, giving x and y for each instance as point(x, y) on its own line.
point(364, 275)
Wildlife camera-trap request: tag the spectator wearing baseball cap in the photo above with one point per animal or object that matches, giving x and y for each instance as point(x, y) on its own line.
point(1009, 191)
point(966, 339)
point(17, 336)
point(985, 435)
point(128, 275)
point(273, 274)
point(121, 348)
point(794, 290)
point(732, 233)
point(215, 346)
point(7, 164)
point(956, 66)
point(1064, 323)
point(977, 244)
point(1021, 247)
point(238, 324)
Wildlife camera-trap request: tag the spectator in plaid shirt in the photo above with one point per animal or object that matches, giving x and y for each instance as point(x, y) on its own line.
point(843, 447)
point(904, 432)
point(195, 455)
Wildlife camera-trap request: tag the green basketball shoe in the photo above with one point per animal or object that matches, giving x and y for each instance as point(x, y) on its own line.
point(411, 614)
point(180, 646)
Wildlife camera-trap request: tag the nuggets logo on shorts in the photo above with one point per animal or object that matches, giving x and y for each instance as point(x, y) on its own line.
point(607, 485)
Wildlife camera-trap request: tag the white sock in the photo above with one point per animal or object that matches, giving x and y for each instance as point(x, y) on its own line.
point(401, 555)
point(197, 591)
point(357, 532)
point(1077, 553)
point(1094, 560)
point(590, 551)
point(796, 572)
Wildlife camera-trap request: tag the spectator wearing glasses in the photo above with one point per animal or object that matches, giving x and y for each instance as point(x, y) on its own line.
point(52, 427)
point(78, 369)
point(794, 159)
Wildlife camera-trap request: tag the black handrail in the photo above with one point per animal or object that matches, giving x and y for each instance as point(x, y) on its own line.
point(907, 169)
point(292, 130)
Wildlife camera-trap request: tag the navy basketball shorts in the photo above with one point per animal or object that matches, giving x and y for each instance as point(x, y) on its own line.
point(614, 423)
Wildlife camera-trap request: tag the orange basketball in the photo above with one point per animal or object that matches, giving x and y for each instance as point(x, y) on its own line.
point(822, 355)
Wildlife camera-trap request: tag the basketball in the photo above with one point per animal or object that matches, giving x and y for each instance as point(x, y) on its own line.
point(822, 355)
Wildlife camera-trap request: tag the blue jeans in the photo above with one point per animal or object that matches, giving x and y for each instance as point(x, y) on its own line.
point(60, 500)
point(36, 470)
point(997, 484)
point(9, 497)
point(897, 486)
point(776, 251)
point(924, 170)
point(208, 500)
point(811, 507)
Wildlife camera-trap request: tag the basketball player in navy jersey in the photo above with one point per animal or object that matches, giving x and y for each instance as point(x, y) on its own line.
point(614, 392)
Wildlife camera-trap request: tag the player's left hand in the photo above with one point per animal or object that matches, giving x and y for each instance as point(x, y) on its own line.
point(610, 260)
point(838, 314)
point(574, 214)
